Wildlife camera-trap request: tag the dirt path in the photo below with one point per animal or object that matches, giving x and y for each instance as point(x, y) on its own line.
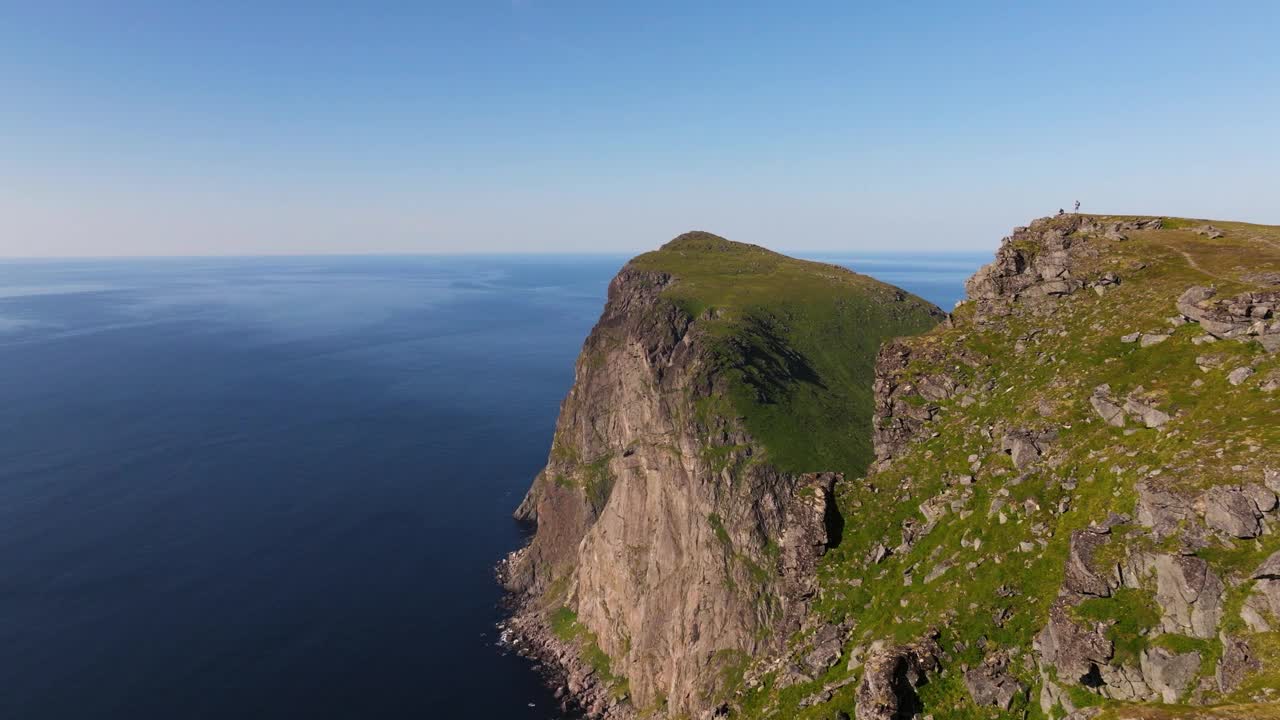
point(1195, 265)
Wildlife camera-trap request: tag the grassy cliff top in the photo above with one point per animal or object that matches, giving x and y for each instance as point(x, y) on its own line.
point(794, 341)
point(992, 564)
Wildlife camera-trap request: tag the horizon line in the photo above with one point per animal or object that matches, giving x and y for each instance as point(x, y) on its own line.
point(454, 254)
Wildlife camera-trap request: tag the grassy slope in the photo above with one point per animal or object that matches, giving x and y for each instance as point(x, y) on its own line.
point(1220, 434)
point(796, 341)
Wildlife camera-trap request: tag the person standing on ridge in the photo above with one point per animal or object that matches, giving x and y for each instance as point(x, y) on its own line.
point(1077, 207)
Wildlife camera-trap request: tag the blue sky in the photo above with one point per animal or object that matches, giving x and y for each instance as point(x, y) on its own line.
point(533, 125)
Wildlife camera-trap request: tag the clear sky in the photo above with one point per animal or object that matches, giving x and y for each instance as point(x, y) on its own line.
point(540, 125)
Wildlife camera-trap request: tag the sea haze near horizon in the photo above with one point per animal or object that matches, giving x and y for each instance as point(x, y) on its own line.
point(277, 487)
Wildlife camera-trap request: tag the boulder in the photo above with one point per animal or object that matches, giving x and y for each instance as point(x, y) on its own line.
point(1025, 446)
point(1108, 410)
point(1075, 652)
point(1189, 595)
point(1230, 511)
point(1167, 673)
point(828, 643)
point(1264, 498)
point(1239, 375)
point(1162, 511)
point(1149, 415)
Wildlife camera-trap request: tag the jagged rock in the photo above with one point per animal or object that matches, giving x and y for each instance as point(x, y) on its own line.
point(889, 680)
point(1189, 595)
point(1131, 337)
point(1149, 339)
point(1236, 663)
point(1075, 652)
point(1169, 674)
point(991, 684)
point(1162, 511)
point(1209, 231)
point(1107, 409)
point(1229, 510)
point(828, 643)
point(1033, 263)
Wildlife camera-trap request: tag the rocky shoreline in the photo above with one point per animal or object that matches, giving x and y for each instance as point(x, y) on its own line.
point(559, 663)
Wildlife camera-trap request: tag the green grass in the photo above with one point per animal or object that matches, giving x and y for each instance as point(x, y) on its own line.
point(793, 343)
point(1129, 614)
point(1220, 433)
point(565, 625)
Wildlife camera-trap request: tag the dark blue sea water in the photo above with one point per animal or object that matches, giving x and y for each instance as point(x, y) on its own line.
point(277, 487)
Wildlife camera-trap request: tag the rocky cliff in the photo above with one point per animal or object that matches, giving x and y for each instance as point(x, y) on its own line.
point(687, 498)
point(1059, 503)
point(1072, 507)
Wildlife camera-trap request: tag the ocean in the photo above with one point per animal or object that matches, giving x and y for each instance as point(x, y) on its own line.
point(277, 487)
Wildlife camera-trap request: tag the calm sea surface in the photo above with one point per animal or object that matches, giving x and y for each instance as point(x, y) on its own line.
point(277, 487)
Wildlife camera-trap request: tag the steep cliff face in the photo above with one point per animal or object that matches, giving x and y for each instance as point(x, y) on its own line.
point(687, 496)
point(1073, 507)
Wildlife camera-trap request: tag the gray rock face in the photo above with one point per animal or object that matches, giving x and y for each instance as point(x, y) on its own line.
point(1189, 595)
point(1076, 652)
point(1236, 663)
point(1162, 511)
point(1229, 510)
point(890, 677)
point(650, 545)
point(828, 643)
point(1169, 674)
point(1261, 610)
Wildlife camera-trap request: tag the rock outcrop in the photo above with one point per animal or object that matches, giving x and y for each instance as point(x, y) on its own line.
point(1251, 315)
point(890, 678)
